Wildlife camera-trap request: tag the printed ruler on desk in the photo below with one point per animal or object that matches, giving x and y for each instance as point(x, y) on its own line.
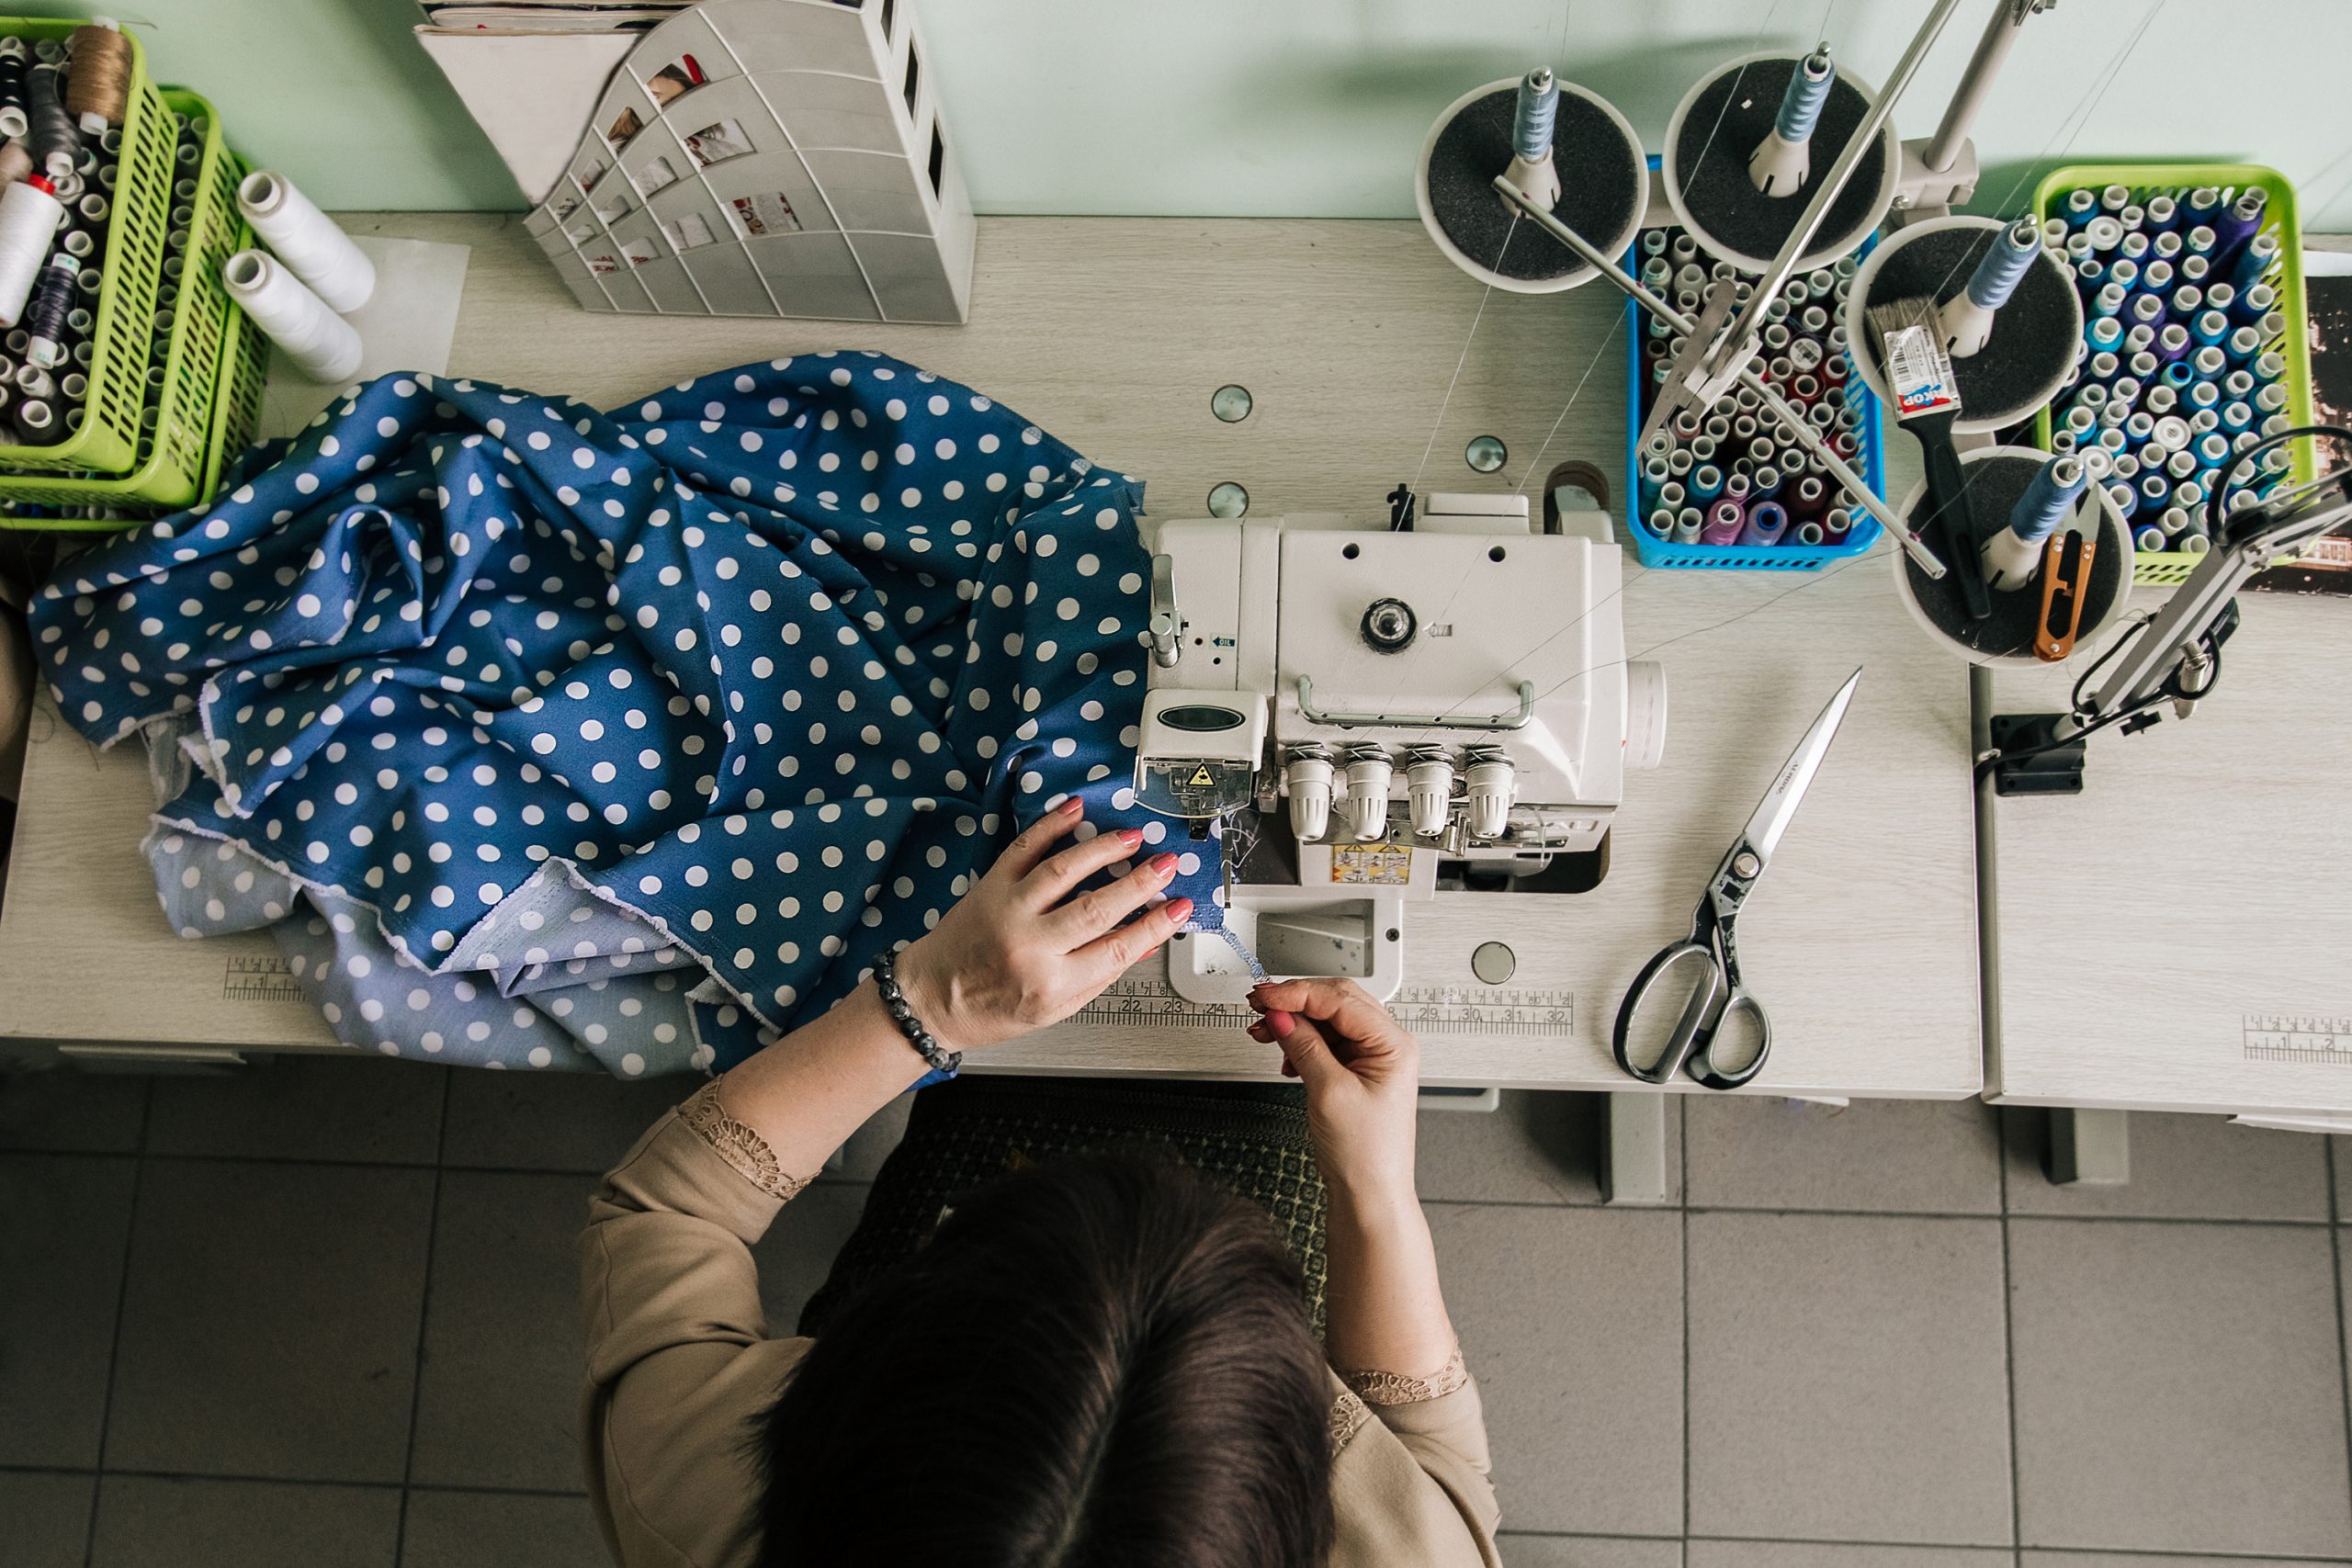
point(2322, 1038)
point(262, 979)
point(1429, 1011)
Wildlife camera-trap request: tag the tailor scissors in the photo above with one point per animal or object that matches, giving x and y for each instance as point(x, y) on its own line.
point(1710, 954)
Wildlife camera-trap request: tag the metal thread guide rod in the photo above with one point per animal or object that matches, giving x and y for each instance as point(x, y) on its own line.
point(1725, 360)
point(1901, 531)
point(1976, 82)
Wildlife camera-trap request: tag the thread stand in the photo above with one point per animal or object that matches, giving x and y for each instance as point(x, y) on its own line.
point(1604, 184)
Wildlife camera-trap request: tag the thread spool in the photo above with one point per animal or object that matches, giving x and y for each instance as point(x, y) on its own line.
point(1781, 164)
point(30, 216)
point(35, 382)
point(53, 300)
point(38, 425)
point(1595, 158)
point(56, 144)
point(1718, 199)
point(73, 385)
point(1967, 316)
point(321, 343)
point(98, 90)
point(1724, 522)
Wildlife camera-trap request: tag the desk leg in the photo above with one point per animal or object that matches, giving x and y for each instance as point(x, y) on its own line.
point(1633, 1165)
point(2090, 1148)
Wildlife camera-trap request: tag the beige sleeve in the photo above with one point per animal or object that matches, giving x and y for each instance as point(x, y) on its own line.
point(1410, 1484)
point(679, 1361)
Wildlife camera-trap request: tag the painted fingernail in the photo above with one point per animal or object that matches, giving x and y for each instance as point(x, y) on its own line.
point(1162, 865)
point(1130, 837)
point(1179, 910)
point(1071, 807)
point(1281, 1022)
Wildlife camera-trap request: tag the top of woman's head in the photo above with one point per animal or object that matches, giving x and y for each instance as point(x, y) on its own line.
point(1098, 1362)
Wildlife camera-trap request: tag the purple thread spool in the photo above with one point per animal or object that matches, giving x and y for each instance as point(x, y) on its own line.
point(1725, 521)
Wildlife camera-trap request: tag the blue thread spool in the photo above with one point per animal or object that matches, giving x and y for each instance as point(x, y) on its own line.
point(2193, 268)
point(2211, 450)
point(2081, 207)
point(2210, 328)
point(2162, 213)
point(2146, 310)
point(1767, 521)
point(2201, 204)
point(2136, 245)
point(2125, 271)
point(2172, 343)
point(2125, 391)
point(2166, 247)
point(2140, 427)
point(2150, 538)
point(2220, 296)
point(2154, 491)
point(2255, 260)
point(2236, 416)
point(2242, 344)
point(1538, 112)
point(2155, 276)
point(2115, 198)
point(2143, 365)
point(1808, 90)
point(1706, 483)
point(2200, 242)
point(2104, 334)
point(2184, 303)
point(2110, 299)
point(2159, 400)
point(2178, 375)
point(2056, 488)
point(2254, 303)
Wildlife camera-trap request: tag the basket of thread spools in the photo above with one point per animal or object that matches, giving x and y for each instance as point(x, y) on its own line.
point(119, 389)
point(2193, 345)
point(1728, 487)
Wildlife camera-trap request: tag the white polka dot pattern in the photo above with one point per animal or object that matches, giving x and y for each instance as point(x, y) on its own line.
point(613, 739)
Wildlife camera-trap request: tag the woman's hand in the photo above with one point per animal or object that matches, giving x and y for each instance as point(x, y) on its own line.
point(1017, 952)
point(1363, 1077)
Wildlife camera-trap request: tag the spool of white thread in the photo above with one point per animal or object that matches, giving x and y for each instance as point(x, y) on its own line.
point(29, 215)
point(324, 346)
point(312, 247)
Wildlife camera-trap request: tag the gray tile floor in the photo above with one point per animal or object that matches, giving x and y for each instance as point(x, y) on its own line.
point(321, 1312)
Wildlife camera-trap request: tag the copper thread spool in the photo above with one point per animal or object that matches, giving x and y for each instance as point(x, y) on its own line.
point(97, 89)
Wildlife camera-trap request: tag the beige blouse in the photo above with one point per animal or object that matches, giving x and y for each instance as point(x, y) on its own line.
point(680, 1363)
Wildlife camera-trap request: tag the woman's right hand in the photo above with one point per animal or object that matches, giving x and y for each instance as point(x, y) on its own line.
point(1363, 1077)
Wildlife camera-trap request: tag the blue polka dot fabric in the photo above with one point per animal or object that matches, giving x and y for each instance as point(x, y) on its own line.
point(545, 738)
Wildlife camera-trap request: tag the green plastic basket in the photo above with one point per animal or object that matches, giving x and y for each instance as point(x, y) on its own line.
point(173, 462)
point(2165, 567)
point(138, 216)
point(236, 400)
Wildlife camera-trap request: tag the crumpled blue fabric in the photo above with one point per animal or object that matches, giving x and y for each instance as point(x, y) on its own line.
point(545, 738)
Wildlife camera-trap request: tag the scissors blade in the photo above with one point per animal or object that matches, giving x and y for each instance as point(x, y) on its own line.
point(1781, 801)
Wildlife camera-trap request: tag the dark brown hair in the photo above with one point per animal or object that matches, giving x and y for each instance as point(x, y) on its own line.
point(1099, 1361)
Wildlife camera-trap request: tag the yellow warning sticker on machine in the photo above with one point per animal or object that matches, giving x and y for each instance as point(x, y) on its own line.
point(1378, 866)
point(1200, 776)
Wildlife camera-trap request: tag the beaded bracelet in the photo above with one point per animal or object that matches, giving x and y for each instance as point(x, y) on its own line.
point(885, 980)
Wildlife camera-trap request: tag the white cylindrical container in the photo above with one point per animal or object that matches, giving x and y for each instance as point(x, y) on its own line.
point(1429, 795)
point(29, 215)
point(309, 242)
point(1311, 796)
point(324, 346)
point(1364, 808)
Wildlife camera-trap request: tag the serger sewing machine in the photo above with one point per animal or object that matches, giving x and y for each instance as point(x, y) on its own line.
point(1373, 718)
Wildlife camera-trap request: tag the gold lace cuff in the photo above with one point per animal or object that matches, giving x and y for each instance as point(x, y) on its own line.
point(744, 1150)
point(1348, 1417)
point(1395, 1388)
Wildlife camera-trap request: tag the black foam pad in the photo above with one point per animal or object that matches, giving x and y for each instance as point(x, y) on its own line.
point(1711, 161)
point(1994, 485)
point(1602, 174)
point(2034, 335)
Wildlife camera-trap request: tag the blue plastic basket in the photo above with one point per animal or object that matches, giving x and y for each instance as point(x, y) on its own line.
point(1652, 551)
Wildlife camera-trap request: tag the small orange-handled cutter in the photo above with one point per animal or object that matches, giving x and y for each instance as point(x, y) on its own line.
point(2065, 579)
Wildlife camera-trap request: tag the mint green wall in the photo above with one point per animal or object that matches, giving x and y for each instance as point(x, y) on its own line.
point(1315, 106)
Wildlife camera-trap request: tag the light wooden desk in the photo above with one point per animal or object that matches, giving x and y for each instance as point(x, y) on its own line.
point(2175, 938)
point(1112, 333)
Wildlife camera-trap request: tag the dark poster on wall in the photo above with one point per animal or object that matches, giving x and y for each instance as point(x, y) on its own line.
point(2327, 564)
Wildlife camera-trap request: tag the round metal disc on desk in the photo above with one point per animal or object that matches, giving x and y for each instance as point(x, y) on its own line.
point(2021, 366)
point(1996, 478)
point(1717, 126)
point(1604, 187)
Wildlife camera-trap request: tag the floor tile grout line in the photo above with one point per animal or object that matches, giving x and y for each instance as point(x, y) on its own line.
point(2009, 1348)
point(242, 1479)
point(121, 1309)
point(424, 1319)
point(1682, 1213)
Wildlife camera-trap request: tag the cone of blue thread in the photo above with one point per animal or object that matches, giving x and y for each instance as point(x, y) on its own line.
point(2012, 554)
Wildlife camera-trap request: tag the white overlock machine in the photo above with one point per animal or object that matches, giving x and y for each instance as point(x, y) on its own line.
point(1365, 718)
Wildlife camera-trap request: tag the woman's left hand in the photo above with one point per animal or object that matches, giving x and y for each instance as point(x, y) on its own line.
point(1018, 952)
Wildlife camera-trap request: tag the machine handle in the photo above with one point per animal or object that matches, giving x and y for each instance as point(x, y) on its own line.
point(1309, 712)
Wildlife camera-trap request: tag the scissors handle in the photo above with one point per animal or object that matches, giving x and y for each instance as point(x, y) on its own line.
point(1701, 1063)
point(1686, 1036)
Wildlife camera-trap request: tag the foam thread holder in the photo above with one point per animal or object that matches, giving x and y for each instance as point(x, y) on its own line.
point(1718, 125)
point(1603, 188)
point(2035, 336)
point(1997, 480)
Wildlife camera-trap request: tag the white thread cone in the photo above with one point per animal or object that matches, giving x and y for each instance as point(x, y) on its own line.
point(324, 346)
point(309, 242)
